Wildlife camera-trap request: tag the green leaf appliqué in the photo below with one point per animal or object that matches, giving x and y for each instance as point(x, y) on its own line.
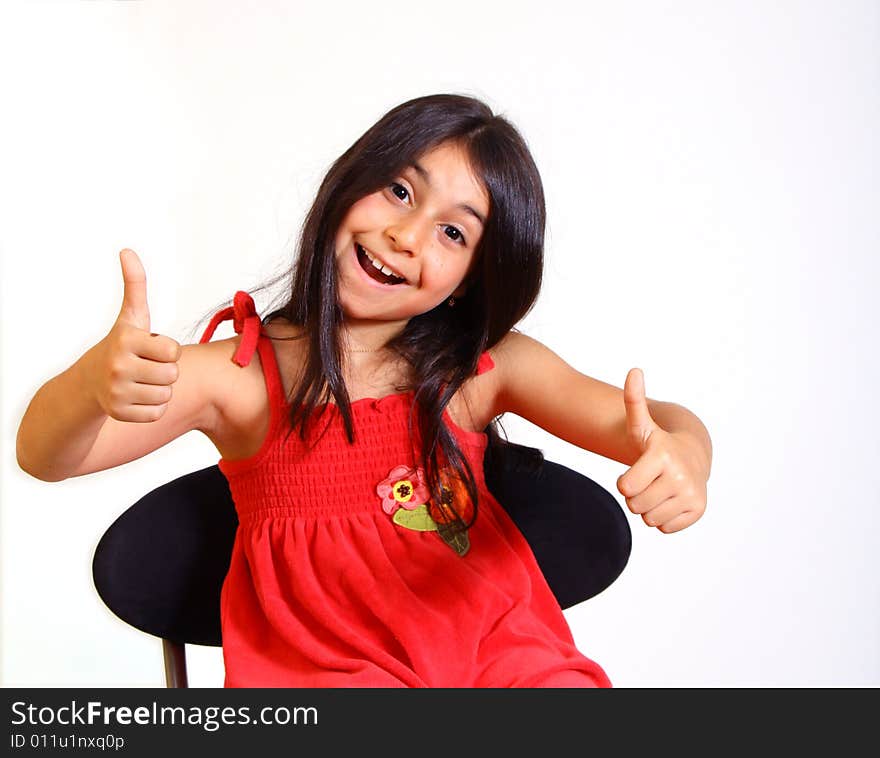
point(417, 519)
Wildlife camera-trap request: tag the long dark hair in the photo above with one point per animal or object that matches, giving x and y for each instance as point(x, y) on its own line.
point(443, 345)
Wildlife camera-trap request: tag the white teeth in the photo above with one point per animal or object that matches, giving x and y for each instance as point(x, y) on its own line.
point(379, 265)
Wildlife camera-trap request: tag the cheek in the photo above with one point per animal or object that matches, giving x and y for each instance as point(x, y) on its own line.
point(444, 272)
point(363, 215)
point(366, 209)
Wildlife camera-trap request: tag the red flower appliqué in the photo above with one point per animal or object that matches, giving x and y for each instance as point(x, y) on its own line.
point(403, 488)
point(406, 488)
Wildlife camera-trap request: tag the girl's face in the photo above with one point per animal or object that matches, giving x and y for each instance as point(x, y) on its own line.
point(406, 248)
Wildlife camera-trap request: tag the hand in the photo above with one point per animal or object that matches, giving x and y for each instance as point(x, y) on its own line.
point(667, 484)
point(131, 370)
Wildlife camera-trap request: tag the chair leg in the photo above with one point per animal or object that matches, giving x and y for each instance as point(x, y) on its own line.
point(175, 664)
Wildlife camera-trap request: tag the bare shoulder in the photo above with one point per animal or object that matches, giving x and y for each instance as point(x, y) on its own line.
point(290, 349)
point(233, 390)
point(241, 397)
point(479, 399)
point(516, 347)
point(538, 385)
point(522, 361)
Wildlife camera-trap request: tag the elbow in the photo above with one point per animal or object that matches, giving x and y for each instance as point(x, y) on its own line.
point(29, 467)
point(42, 475)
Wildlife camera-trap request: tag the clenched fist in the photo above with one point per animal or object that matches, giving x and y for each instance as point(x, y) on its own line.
point(667, 484)
point(132, 371)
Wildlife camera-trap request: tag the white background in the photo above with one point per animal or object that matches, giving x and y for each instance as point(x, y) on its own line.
point(711, 172)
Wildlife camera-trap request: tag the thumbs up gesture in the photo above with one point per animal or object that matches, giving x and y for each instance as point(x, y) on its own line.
point(667, 483)
point(132, 370)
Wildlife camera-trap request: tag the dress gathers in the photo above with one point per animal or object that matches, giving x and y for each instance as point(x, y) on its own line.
point(339, 577)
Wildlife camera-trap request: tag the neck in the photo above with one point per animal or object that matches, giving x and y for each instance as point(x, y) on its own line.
point(369, 336)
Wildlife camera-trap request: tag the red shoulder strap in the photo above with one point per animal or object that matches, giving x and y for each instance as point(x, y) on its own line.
point(245, 321)
point(485, 363)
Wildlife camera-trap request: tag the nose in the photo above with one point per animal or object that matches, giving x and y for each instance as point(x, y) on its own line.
point(407, 235)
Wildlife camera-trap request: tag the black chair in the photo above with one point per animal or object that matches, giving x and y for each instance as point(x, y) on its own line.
point(160, 566)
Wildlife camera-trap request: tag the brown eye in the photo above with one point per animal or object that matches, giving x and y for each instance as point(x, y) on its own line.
point(456, 235)
point(394, 186)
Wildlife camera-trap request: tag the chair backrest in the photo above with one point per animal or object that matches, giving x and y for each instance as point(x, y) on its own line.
point(160, 566)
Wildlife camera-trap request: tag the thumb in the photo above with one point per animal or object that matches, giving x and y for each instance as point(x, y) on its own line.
point(134, 310)
point(639, 424)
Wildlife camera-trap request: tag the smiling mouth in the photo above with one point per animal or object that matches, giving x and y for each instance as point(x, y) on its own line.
point(374, 268)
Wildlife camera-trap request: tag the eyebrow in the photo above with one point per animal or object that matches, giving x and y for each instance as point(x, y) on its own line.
point(422, 171)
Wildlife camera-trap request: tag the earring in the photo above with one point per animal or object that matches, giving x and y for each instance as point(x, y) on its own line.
point(450, 302)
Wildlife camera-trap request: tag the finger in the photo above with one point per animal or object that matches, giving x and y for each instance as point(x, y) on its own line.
point(134, 310)
point(149, 394)
point(659, 491)
point(638, 477)
point(155, 372)
point(156, 347)
point(680, 522)
point(639, 424)
point(141, 414)
point(665, 512)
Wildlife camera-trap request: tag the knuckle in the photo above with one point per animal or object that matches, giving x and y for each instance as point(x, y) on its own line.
point(116, 369)
point(167, 349)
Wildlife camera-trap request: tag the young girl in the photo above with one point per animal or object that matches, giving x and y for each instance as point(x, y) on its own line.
point(352, 422)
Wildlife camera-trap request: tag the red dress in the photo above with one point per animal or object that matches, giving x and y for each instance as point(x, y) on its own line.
point(326, 588)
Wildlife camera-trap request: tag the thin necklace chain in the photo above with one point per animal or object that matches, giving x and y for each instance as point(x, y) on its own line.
point(350, 350)
point(365, 349)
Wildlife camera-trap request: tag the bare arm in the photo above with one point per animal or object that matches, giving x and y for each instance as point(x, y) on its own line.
point(535, 383)
point(116, 402)
point(65, 432)
point(666, 446)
